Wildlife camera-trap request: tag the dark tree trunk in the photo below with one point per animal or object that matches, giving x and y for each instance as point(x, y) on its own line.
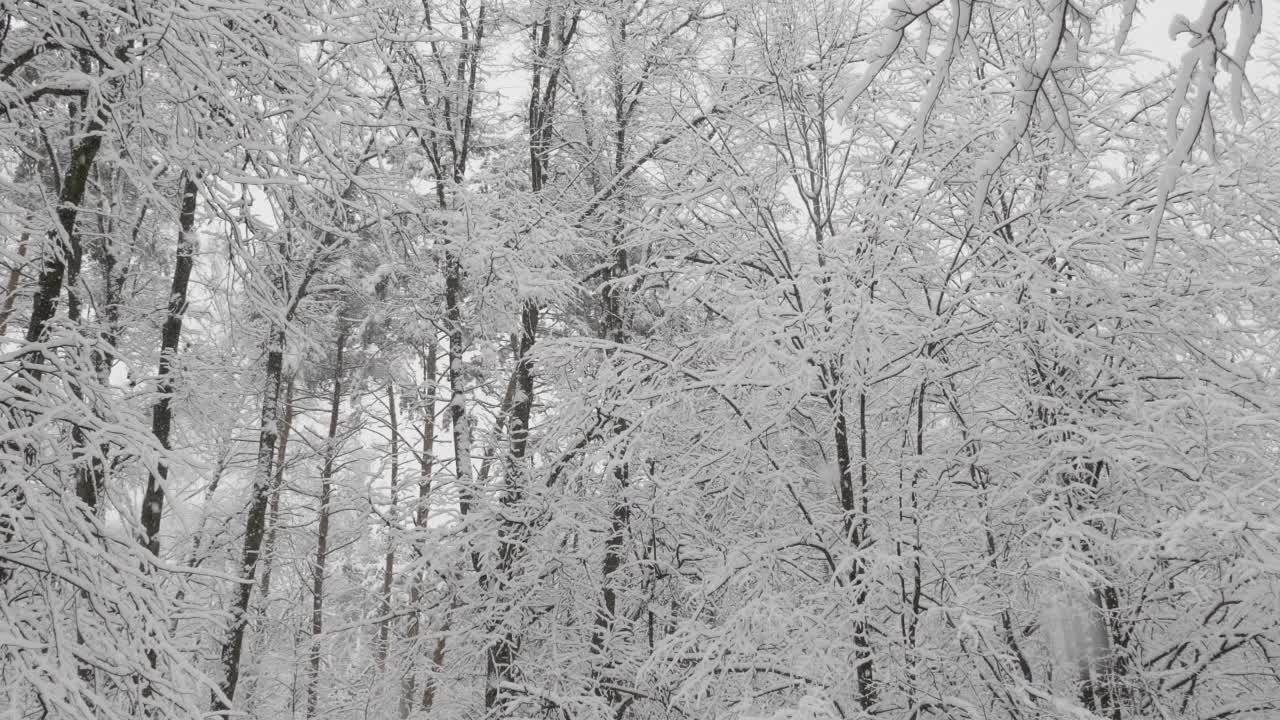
point(255, 524)
point(322, 532)
point(170, 333)
point(614, 329)
point(389, 560)
point(458, 420)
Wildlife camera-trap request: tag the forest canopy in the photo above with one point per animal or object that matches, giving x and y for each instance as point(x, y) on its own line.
point(605, 360)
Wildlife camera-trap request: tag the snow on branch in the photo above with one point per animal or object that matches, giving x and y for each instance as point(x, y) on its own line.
point(902, 14)
point(1199, 67)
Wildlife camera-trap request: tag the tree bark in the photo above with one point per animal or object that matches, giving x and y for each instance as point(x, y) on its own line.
point(420, 518)
point(544, 87)
point(322, 533)
point(614, 329)
point(170, 333)
point(277, 489)
point(389, 560)
point(233, 646)
point(459, 422)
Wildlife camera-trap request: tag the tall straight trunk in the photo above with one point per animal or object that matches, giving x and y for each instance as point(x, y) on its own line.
point(322, 532)
point(389, 560)
point(277, 489)
point(450, 173)
point(460, 423)
point(606, 616)
point(867, 693)
point(170, 333)
point(853, 523)
point(468, 493)
point(614, 329)
point(910, 588)
point(852, 491)
point(421, 516)
point(255, 524)
point(267, 557)
point(852, 482)
point(545, 83)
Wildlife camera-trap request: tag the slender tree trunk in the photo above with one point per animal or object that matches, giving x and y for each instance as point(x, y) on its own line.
point(420, 519)
point(910, 587)
point(389, 560)
point(322, 533)
point(460, 423)
point(867, 692)
point(268, 434)
point(277, 489)
point(852, 491)
point(607, 614)
point(614, 329)
point(461, 427)
point(544, 86)
point(170, 333)
point(267, 557)
point(451, 173)
point(501, 655)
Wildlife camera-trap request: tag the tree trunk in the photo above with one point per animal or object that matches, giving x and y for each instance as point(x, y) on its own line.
point(460, 423)
point(467, 491)
point(853, 507)
point(322, 533)
point(614, 329)
point(277, 489)
point(389, 561)
point(170, 333)
point(420, 518)
point(233, 646)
